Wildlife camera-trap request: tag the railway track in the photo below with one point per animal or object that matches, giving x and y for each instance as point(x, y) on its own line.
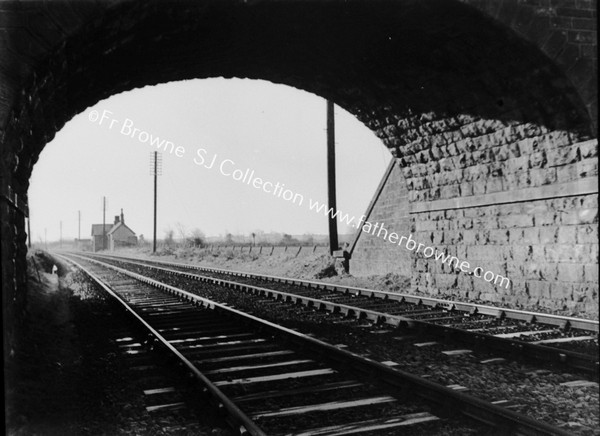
point(565, 341)
point(267, 379)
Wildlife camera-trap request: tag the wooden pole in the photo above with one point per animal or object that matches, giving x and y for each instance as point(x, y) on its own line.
point(331, 189)
point(104, 223)
point(155, 185)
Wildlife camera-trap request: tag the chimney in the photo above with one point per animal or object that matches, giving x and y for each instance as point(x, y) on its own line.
point(122, 217)
point(116, 219)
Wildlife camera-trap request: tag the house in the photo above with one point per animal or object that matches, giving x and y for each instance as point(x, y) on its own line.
point(115, 235)
point(120, 235)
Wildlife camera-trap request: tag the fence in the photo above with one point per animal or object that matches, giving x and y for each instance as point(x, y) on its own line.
point(269, 250)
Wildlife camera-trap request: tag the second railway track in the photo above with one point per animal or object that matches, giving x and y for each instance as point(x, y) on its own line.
point(271, 380)
point(564, 341)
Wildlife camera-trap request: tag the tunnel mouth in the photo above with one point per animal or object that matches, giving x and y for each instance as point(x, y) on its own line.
point(447, 86)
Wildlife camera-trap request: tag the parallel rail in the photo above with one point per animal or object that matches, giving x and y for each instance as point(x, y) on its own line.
point(473, 308)
point(234, 414)
point(402, 383)
point(507, 346)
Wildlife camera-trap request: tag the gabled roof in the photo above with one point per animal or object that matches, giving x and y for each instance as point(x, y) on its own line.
point(98, 231)
point(116, 226)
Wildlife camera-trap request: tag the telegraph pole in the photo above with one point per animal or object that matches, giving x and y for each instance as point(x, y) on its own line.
point(333, 232)
point(104, 223)
point(155, 170)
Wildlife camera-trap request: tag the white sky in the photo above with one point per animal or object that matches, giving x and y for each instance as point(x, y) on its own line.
point(277, 131)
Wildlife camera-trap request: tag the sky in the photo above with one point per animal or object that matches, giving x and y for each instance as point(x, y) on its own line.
point(205, 130)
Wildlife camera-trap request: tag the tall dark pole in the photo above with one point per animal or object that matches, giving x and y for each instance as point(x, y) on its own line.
point(104, 223)
point(333, 233)
point(155, 184)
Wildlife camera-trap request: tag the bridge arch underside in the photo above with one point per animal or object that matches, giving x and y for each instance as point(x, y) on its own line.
point(493, 141)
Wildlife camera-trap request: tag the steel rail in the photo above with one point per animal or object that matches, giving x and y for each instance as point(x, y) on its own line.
point(513, 347)
point(499, 312)
point(448, 401)
point(238, 418)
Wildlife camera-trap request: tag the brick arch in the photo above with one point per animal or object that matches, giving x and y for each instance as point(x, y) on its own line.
point(461, 96)
point(406, 71)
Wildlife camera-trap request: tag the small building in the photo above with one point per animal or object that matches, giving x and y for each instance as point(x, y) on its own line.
point(115, 235)
point(100, 236)
point(120, 235)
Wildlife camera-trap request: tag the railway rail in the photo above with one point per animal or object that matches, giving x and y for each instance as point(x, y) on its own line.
point(268, 379)
point(516, 333)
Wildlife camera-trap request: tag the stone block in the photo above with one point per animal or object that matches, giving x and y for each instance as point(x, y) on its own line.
point(570, 272)
point(499, 236)
point(479, 188)
point(523, 180)
point(568, 172)
point(579, 216)
point(560, 156)
point(567, 234)
point(513, 269)
point(588, 149)
point(546, 219)
point(531, 236)
point(589, 201)
point(478, 253)
point(538, 289)
point(446, 281)
point(515, 236)
point(549, 272)
point(482, 287)
point(590, 272)
point(587, 234)
point(515, 221)
point(542, 176)
point(538, 253)
point(536, 207)
point(548, 235)
point(469, 237)
point(525, 148)
point(425, 225)
point(521, 253)
point(537, 160)
point(567, 252)
point(532, 270)
point(482, 223)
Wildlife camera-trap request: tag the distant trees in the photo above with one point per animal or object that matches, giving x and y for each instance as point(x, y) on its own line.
point(308, 239)
point(197, 238)
point(289, 240)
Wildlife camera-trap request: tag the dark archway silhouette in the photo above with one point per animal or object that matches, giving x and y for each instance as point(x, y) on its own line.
point(462, 95)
